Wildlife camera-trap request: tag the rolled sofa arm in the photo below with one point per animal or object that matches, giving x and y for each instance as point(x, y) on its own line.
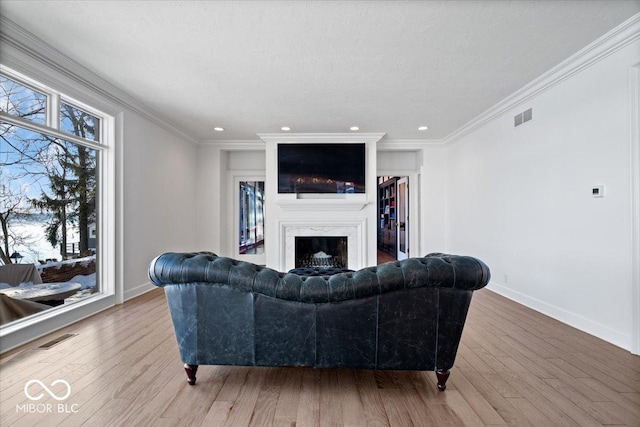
point(433, 270)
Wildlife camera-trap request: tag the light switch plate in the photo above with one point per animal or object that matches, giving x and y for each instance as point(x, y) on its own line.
point(597, 191)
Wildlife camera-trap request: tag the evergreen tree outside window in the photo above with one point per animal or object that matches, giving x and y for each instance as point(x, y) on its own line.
point(79, 123)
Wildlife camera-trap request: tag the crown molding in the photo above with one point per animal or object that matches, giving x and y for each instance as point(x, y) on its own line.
point(408, 144)
point(35, 49)
point(611, 42)
point(382, 145)
point(321, 137)
point(234, 144)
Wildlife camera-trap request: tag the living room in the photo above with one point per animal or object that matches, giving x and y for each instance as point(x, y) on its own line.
point(550, 203)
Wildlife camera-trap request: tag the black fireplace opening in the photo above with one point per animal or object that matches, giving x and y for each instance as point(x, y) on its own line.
point(321, 252)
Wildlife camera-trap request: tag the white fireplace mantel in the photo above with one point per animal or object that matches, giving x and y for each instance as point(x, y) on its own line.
point(301, 205)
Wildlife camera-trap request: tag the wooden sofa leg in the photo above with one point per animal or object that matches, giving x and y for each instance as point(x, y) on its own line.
point(191, 373)
point(443, 376)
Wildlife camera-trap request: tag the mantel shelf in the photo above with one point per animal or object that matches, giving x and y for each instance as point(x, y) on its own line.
point(322, 205)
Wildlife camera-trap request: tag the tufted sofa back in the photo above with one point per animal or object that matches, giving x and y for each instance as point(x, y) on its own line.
point(435, 270)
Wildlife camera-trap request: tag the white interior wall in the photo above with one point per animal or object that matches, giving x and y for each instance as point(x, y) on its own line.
point(433, 192)
point(159, 198)
point(247, 160)
point(215, 166)
point(397, 160)
point(520, 199)
point(210, 182)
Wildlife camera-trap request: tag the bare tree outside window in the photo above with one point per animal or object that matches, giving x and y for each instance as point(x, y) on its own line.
point(21, 101)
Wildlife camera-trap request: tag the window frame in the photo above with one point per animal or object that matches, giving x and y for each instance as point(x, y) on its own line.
point(23, 330)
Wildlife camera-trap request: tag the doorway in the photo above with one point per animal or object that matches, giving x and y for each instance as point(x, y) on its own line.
point(393, 218)
point(403, 218)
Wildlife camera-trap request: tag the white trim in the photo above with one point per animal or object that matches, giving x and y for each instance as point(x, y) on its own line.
point(138, 290)
point(400, 255)
point(611, 42)
point(579, 322)
point(118, 188)
point(235, 144)
point(107, 208)
point(338, 138)
point(16, 121)
point(407, 144)
point(415, 203)
point(108, 279)
point(327, 204)
point(634, 130)
point(383, 144)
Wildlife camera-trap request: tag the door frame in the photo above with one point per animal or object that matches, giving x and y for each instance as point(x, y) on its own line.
point(413, 238)
point(234, 212)
point(400, 254)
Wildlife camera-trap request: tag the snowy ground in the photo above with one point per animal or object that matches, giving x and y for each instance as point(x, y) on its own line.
point(36, 246)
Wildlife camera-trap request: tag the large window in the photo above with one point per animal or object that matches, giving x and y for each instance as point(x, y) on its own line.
point(52, 204)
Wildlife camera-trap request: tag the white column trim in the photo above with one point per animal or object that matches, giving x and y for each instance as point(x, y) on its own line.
point(634, 130)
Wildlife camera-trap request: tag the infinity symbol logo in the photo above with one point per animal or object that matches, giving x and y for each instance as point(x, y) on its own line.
point(52, 394)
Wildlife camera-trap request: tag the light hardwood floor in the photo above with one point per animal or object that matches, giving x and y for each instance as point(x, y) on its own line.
point(514, 367)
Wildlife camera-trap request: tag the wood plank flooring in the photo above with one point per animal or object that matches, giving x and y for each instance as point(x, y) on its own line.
point(515, 367)
point(384, 257)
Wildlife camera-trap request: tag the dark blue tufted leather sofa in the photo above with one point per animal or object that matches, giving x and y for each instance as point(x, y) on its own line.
point(402, 315)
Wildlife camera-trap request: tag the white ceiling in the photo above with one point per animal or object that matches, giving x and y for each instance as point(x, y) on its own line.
point(318, 66)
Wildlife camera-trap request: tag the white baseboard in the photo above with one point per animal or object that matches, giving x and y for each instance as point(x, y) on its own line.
point(575, 320)
point(138, 290)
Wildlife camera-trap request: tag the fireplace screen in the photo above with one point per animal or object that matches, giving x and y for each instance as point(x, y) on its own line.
point(323, 252)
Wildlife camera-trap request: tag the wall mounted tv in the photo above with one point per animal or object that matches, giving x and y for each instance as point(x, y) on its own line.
point(321, 168)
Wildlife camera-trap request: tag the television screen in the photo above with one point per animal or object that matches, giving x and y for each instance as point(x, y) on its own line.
point(321, 168)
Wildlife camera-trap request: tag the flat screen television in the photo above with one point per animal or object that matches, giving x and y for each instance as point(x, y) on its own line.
point(321, 168)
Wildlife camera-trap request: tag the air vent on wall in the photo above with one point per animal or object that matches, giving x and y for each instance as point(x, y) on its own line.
point(523, 117)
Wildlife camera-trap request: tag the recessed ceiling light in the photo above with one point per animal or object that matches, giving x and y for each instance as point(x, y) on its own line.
point(285, 128)
point(354, 128)
point(218, 129)
point(423, 128)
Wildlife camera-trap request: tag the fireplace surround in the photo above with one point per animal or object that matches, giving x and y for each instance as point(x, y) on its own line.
point(350, 233)
point(352, 217)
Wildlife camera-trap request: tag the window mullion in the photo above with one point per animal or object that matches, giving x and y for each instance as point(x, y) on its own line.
point(50, 131)
point(53, 110)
